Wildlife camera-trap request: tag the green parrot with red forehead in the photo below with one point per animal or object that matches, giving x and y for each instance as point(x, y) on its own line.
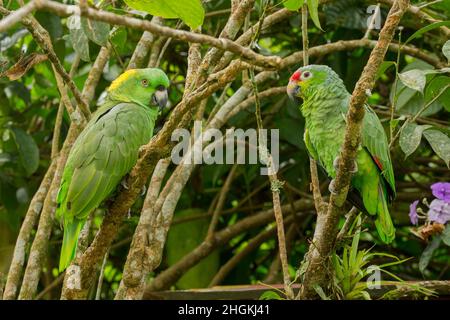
point(324, 107)
point(107, 149)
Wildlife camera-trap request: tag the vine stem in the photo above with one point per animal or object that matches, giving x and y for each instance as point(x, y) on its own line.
point(417, 115)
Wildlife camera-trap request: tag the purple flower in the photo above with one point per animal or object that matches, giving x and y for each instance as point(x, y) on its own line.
point(413, 212)
point(439, 211)
point(441, 190)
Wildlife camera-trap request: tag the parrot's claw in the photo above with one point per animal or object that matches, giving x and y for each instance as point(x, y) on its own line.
point(336, 165)
point(143, 190)
point(331, 187)
point(354, 167)
point(124, 184)
point(141, 150)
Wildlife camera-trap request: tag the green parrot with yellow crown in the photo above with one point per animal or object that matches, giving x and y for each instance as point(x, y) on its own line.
point(324, 107)
point(107, 149)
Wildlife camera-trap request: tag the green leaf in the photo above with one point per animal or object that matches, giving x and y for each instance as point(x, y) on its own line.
point(435, 87)
point(320, 292)
point(446, 235)
point(428, 253)
point(293, 5)
point(96, 31)
point(78, 38)
point(410, 137)
point(414, 79)
point(119, 38)
point(190, 11)
point(52, 23)
point(432, 26)
point(313, 7)
point(440, 143)
point(270, 295)
point(409, 101)
point(446, 50)
point(28, 150)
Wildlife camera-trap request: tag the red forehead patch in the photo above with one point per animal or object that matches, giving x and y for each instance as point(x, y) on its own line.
point(296, 76)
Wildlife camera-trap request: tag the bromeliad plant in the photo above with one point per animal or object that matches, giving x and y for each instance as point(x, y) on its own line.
point(353, 272)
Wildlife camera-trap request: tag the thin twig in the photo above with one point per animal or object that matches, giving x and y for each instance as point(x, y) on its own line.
point(98, 293)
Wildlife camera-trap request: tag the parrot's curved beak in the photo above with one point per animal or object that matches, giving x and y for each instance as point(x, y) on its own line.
point(160, 98)
point(293, 90)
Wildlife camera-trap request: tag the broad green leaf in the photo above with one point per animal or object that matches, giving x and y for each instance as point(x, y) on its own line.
point(293, 5)
point(190, 11)
point(28, 150)
point(446, 235)
point(414, 79)
point(446, 50)
point(78, 38)
point(154, 7)
point(96, 31)
point(428, 253)
point(52, 23)
point(313, 8)
point(410, 137)
point(440, 143)
point(435, 87)
point(432, 26)
point(119, 38)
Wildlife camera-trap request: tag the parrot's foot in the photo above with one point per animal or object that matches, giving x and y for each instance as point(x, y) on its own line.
point(143, 190)
point(331, 187)
point(354, 168)
point(124, 184)
point(141, 151)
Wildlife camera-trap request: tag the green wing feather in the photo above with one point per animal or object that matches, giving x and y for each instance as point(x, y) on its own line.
point(375, 140)
point(102, 155)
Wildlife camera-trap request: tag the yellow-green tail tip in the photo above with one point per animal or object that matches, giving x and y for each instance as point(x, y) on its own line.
point(69, 247)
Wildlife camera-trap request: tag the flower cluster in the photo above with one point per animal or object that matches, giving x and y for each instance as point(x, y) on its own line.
point(439, 208)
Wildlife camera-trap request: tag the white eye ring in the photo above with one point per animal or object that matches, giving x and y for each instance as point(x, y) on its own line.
point(306, 75)
point(144, 82)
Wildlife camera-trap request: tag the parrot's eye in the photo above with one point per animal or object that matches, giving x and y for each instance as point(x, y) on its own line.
point(144, 82)
point(306, 75)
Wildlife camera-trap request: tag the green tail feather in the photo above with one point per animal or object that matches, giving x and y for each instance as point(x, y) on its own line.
point(69, 247)
point(384, 225)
